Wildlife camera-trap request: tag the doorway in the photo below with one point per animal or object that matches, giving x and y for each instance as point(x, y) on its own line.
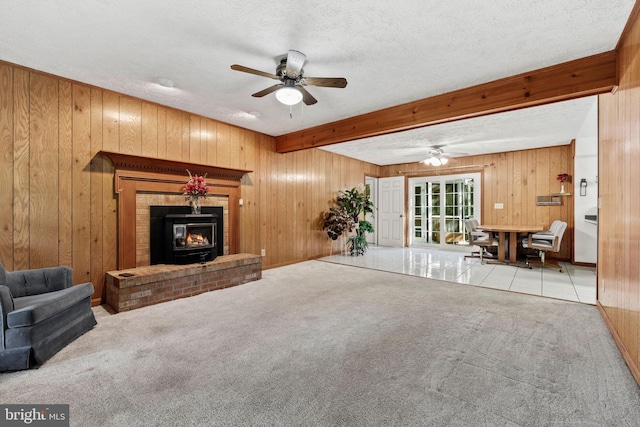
point(438, 207)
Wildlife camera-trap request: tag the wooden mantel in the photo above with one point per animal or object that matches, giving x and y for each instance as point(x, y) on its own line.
point(150, 164)
point(135, 174)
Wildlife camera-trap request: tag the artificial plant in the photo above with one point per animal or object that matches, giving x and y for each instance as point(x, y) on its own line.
point(346, 217)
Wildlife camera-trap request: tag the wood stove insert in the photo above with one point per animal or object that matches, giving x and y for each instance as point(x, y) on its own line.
point(179, 237)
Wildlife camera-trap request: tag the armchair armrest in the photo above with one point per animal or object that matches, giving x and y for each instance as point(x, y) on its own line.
point(542, 236)
point(6, 305)
point(38, 281)
point(544, 242)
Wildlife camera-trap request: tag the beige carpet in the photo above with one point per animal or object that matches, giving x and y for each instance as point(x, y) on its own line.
point(322, 344)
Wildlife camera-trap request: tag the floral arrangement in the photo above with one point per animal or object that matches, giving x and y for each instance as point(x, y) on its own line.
point(196, 186)
point(195, 189)
point(563, 177)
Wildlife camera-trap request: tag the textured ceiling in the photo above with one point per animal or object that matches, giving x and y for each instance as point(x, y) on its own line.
point(389, 54)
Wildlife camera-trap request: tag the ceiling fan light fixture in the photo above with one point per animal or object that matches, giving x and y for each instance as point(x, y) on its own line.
point(288, 95)
point(435, 161)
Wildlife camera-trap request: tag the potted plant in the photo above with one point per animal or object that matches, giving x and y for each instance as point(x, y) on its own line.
point(346, 217)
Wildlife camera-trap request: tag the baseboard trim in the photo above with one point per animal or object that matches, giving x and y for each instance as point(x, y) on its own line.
point(584, 264)
point(283, 264)
point(616, 338)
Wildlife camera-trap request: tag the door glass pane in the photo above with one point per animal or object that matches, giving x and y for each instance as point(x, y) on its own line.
point(420, 209)
point(441, 205)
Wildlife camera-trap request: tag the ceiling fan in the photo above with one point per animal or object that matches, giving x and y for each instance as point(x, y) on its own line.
point(291, 89)
point(438, 157)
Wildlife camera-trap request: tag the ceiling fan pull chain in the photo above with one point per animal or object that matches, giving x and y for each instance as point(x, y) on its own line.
point(291, 111)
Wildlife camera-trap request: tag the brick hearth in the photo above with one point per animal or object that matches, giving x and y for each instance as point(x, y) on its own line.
point(142, 286)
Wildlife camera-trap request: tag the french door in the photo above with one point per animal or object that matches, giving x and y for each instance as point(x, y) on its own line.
point(439, 206)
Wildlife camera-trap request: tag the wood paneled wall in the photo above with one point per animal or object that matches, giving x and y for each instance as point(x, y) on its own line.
point(514, 179)
point(57, 201)
point(619, 213)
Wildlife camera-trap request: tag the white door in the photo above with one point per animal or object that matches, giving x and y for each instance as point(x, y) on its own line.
point(372, 188)
point(391, 211)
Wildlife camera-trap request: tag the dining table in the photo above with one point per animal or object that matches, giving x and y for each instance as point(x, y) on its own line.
point(512, 231)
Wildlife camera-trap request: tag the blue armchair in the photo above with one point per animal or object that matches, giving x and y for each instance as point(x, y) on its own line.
point(40, 313)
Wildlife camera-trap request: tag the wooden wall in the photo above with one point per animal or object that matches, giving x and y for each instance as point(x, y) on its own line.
point(619, 214)
point(57, 202)
point(514, 179)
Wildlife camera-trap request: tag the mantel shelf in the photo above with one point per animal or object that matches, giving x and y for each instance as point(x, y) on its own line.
point(152, 164)
point(561, 194)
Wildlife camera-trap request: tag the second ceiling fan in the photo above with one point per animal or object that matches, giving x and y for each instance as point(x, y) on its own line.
point(291, 88)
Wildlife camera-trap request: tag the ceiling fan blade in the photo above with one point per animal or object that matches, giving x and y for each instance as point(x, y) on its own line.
point(307, 98)
point(325, 81)
point(267, 91)
point(252, 71)
point(295, 61)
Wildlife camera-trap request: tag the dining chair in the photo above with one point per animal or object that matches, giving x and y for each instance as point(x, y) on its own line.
point(478, 238)
point(546, 241)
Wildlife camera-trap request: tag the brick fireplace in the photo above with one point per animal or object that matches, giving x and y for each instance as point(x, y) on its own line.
point(137, 175)
point(141, 182)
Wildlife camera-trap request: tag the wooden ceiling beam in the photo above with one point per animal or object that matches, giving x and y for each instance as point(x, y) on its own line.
point(582, 77)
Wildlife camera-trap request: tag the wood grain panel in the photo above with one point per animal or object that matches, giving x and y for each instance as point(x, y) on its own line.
point(6, 167)
point(618, 181)
point(97, 191)
point(233, 147)
point(21, 169)
point(81, 177)
point(65, 163)
point(174, 134)
point(43, 177)
point(130, 126)
point(149, 129)
point(185, 126)
point(162, 133)
point(212, 138)
point(195, 149)
point(223, 149)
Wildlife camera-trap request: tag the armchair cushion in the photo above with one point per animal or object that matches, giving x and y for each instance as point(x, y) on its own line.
point(36, 308)
point(32, 282)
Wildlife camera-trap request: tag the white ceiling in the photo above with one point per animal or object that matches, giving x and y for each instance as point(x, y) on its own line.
point(390, 53)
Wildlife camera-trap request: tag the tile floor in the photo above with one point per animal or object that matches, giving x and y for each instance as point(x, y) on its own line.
point(575, 283)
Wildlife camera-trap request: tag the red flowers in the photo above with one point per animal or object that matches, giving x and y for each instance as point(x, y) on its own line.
point(563, 177)
point(196, 187)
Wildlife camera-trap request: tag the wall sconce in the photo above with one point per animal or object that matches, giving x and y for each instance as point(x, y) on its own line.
point(583, 187)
